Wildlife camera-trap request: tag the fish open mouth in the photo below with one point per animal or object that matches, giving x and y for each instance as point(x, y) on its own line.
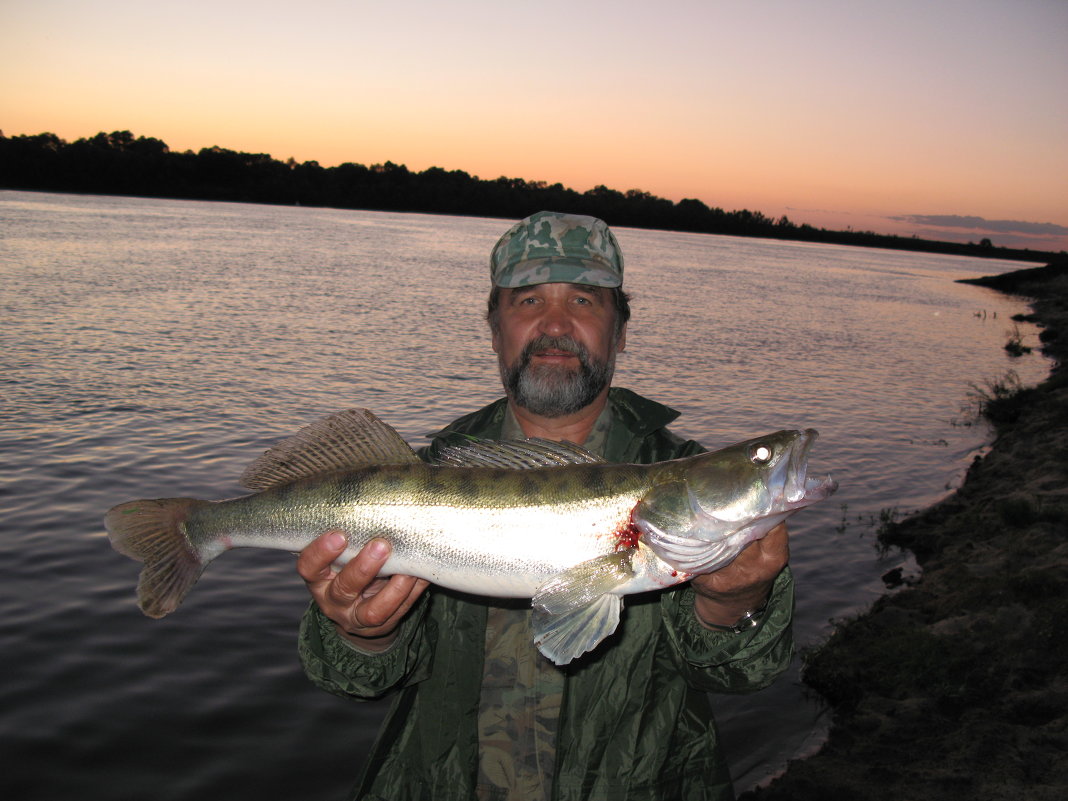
point(798, 489)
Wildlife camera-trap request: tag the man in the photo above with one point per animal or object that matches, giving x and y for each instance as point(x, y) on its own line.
point(479, 713)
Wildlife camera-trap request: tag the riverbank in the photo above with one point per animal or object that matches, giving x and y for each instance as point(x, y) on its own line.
point(956, 686)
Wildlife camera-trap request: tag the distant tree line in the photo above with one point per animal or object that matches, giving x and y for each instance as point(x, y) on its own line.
point(121, 164)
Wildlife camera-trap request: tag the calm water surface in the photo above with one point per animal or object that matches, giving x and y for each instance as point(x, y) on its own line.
point(153, 348)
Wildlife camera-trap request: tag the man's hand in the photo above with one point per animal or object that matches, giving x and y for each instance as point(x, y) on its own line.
point(365, 608)
point(743, 585)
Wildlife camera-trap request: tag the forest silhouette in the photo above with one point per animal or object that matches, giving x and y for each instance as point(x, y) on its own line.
point(121, 164)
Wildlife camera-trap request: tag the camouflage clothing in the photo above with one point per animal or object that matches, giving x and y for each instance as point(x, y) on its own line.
point(550, 247)
point(519, 710)
point(635, 720)
point(521, 690)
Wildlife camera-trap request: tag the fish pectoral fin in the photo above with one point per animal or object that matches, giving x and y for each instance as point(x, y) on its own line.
point(578, 608)
point(564, 637)
point(577, 586)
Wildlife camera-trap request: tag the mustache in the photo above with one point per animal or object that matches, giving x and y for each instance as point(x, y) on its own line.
point(564, 343)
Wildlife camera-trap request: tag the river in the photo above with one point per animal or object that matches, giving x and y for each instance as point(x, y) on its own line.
point(153, 348)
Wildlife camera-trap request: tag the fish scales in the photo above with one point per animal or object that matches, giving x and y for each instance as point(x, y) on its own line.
point(529, 518)
point(465, 527)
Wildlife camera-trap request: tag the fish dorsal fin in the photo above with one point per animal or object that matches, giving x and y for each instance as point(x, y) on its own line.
point(515, 454)
point(341, 441)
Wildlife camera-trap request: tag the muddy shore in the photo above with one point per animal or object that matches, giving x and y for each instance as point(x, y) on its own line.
point(956, 685)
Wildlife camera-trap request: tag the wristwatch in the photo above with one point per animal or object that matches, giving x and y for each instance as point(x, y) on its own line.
point(750, 620)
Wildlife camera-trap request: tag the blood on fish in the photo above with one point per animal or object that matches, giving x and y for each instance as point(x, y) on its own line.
point(627, 536)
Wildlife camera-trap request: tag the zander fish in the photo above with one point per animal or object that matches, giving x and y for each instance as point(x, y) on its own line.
point(521, 519)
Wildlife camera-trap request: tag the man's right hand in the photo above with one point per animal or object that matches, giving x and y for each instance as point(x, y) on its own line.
point(365, 609)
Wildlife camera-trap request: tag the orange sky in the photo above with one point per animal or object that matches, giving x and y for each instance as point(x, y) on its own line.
point(832, 112)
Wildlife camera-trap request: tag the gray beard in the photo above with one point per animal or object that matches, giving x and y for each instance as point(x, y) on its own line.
point(555, 391)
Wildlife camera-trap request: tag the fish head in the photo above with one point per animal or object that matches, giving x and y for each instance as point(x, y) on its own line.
point(717, 503)
point(758, 477)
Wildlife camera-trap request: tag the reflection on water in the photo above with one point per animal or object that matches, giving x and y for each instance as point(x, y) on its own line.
point(153, 348)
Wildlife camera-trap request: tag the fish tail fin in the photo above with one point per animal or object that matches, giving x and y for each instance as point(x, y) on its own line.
point(153, 532)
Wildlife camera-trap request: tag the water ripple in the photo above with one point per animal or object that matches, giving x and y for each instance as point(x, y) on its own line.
point(154, 348)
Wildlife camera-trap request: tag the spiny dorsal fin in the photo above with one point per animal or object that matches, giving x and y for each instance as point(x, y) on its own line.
point(515, 454)
point(341, 441)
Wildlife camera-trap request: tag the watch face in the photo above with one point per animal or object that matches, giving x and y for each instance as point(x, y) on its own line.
point(749, 620)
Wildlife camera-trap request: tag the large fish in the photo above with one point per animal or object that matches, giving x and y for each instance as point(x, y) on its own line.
point(527, 518)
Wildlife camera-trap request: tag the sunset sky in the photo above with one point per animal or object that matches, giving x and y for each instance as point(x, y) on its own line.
point(942, 118)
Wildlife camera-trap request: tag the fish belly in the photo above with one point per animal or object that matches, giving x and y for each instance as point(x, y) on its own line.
point(502, 552)
point(477, 547)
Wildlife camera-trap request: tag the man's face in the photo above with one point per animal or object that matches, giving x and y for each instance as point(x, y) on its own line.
point(556, 345)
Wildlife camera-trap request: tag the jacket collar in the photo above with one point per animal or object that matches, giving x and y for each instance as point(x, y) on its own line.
point(638, 415)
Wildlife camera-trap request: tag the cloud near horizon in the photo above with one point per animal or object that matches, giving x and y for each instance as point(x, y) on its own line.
point(983, 224)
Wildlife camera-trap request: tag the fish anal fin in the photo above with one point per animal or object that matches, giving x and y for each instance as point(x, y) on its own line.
point(341, 441)
point(576, 609)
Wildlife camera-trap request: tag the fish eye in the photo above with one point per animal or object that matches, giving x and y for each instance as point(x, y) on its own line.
point(760, 454)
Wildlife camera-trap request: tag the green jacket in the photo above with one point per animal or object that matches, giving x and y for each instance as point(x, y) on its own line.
point(636, 721)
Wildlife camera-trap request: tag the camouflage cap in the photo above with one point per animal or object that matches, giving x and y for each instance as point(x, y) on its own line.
point(550, 246)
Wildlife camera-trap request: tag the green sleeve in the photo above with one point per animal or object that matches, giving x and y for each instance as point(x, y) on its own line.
point(718, 661)
point(339, 667)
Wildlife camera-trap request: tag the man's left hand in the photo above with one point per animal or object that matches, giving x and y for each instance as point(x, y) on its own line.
point(724, 596)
